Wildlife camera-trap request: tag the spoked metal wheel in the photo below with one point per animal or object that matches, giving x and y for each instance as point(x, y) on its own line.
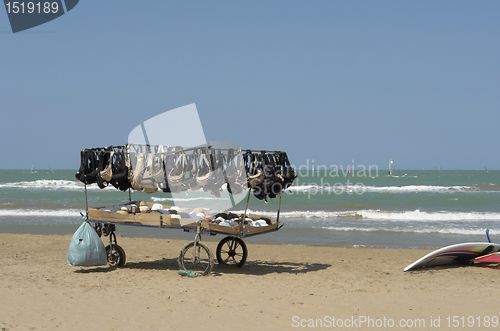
point(232, 251)
point(197, 259)
point(116, 255)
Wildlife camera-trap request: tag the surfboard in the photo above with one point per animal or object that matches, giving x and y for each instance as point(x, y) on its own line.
point(490, 258)
point(455, 254)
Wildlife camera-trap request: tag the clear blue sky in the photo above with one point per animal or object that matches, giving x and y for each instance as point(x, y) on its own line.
point(329, 81)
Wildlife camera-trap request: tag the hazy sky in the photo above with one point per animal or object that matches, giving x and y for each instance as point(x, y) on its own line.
point(329, 81)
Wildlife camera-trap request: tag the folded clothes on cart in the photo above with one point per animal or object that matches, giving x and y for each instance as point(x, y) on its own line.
point(158, 215)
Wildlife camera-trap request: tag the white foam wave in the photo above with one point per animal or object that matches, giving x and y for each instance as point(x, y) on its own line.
point(420, 188)
point(381, 215)
point(41, 212)
point(462, 231)
point(381, 189)
point(158, 199)
point(51, 184)
point(417, 215)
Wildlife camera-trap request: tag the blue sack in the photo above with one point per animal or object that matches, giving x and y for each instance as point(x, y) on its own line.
point(86, 248)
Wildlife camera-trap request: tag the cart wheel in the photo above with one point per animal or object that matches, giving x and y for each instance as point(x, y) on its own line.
point(116, 256)
point(232, 251)
point(199, 259)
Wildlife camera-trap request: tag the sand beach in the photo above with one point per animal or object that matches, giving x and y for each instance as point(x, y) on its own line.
point(281, 287)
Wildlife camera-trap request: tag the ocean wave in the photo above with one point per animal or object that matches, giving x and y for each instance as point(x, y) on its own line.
point(54, 184)
point(421, 188)
point(382, 215)
point(417, 215)
point(372, 215)
point(41, 212)
point(50, 184)
point(360, 188)
point(303, 214)
point(458, 231)
point(158, 199)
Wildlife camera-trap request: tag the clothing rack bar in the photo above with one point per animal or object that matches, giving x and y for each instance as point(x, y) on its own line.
point(102, 149)
point(209, 147)
point(236, 151)
point(170, 146)
point(243, 151)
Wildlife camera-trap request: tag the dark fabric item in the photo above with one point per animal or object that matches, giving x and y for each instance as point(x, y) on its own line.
point(120, 172)
point(103, 162)
point(87, 173)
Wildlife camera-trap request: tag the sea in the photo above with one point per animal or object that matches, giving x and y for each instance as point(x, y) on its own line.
point(359, 208)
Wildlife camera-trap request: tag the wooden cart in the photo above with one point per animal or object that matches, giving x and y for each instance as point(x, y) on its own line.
point(113, 165)
point(195, 256)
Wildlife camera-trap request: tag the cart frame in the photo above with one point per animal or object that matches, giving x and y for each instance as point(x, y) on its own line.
point(195, 256)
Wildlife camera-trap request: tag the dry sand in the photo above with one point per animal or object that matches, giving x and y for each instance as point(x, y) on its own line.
point(279, 288)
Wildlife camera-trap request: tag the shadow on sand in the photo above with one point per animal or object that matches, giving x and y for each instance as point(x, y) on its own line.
point(250, 267)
